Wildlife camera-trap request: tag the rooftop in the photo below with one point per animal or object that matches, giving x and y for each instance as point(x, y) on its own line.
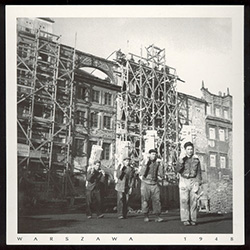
point(219, 94)
point(193, 97)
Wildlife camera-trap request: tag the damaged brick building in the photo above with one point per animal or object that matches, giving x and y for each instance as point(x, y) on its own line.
point(207, 122)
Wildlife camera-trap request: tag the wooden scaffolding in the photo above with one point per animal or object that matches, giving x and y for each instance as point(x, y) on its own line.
point(49, 106)
point(149, 102)
point(45, 75)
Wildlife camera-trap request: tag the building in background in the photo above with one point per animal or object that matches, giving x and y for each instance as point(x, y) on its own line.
point(94, 119)
point(219, 149)
point(207, 122)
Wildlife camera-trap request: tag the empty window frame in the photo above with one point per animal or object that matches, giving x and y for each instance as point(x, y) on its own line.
point(226, 114)
point(106, 151)
point(212, 160)
point(212, 133)
point(209, 109)
point(107, 122)
point(222, 134)
point(80, 118)
point(94, 120)
point(82, 93)
point(217, 111)
point(96, 96)
point(108, 99)
point(223, 162)
point(79, 147)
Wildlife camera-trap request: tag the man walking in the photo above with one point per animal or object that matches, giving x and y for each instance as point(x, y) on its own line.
point(126, 178)
point(95, 179)
point(151, 171)
point(189, 170)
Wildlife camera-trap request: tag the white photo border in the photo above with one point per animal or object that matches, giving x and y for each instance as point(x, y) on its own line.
point(236, 13)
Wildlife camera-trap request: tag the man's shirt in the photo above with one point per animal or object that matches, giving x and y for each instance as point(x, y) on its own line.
point(190, 168)
point(150, 171)
point(95, 180)
point(126, 178)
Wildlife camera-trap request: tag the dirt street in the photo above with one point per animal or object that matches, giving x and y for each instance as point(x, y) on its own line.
point(61, 219)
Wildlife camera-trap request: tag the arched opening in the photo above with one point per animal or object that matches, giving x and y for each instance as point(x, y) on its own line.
point(96, 73)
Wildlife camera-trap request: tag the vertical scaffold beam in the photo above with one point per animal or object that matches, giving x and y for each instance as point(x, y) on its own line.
point(69, 136)
point(165, 114)
point(141, 108)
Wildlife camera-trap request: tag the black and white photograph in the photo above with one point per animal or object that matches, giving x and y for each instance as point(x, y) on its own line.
point(125, 125)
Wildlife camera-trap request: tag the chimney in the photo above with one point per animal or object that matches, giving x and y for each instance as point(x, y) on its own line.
point(203, 85)
point(228, 91)
point(224, 94)
point(220, 93)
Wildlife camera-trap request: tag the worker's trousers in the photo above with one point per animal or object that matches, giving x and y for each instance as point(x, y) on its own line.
point(150, 192)
point(94, 202)
point(188, 198)
point(122, 203)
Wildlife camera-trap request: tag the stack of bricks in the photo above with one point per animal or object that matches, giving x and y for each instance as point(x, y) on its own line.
point(220, 195)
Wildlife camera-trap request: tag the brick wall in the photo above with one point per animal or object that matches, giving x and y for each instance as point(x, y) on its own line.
point(220, 195)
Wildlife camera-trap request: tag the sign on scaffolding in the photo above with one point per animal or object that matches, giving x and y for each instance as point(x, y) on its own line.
point(150, 140)
point(122, 150)
point(96, 152)
point(23, 150)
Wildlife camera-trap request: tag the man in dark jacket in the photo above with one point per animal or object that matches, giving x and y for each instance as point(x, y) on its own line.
point(189, 169)
point(151, 172)
point(125, 181)
point(95, 180)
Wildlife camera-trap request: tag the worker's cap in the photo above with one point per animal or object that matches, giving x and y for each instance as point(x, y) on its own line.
point(97, 161)
point(126, 158)
point(152, 151)
point(189, 143)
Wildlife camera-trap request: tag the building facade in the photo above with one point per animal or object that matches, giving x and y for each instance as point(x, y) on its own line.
point(94, 119)
point(219, 149)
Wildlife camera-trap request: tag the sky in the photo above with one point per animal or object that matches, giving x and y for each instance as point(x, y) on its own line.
point(199, 48)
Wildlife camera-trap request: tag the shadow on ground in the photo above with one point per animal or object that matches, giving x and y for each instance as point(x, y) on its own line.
point(42, 225)
point(60, 218)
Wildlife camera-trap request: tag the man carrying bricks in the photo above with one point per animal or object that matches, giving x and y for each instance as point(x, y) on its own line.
point(151, 171)
point(126, 175)
point(95, 179)
point(189, 169)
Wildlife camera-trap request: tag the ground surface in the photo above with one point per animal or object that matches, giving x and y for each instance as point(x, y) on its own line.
point(61, 219)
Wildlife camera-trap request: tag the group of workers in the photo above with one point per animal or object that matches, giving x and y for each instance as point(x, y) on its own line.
point(150, 171)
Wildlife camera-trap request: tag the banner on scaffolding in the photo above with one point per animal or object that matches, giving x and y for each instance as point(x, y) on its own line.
point(122, 150)
point(150, 140)
point(96, 153)
point(23, 149)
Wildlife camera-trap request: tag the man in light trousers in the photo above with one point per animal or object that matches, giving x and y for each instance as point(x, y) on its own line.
point(189, 170)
